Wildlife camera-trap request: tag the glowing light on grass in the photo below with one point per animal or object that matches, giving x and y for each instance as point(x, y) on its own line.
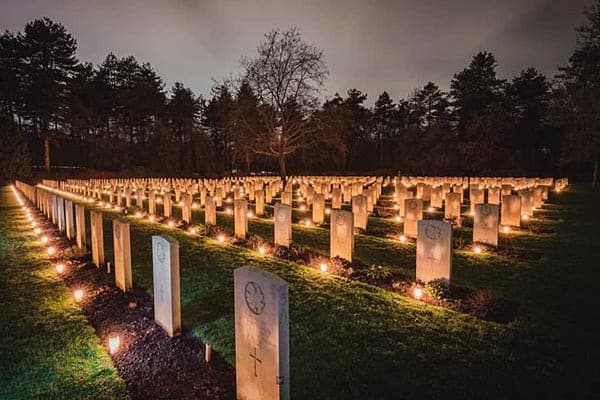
point(477, 249)
point(228, 210)
point(51, 250)
point(44, 239)
point(418, 292)
point(261, 250)
point(171, 224)
point(323, 267)
point(250, 214)
point(398, 218)
point(113, 344)
point(525, 217)
point(506, 229)
point(193, 230)
point(33, 224)
point(221, 239)
point(78, 295)
point(308, 223)
point(60, 268)
point(117, 208)
point(402, 238)
point(138, 214)
point(151, 218)
point(37, 231)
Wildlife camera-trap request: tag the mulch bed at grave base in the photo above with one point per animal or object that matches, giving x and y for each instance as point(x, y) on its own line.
point(152, 364)
point(480, 304)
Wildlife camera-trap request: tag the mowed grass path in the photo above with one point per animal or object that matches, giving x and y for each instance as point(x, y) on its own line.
point(47, 349)
point(355, 341)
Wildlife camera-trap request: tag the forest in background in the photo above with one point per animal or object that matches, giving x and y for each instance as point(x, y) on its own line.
point(118, 116)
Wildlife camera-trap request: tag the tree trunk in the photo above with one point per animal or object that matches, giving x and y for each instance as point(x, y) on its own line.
point(247, 161)
point(595, 178)
point(282, 171)
point(47, 153)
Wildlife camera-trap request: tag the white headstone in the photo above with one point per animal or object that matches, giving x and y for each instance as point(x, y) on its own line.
point(261, 335)
point(165, 272)
point(434, 251)
point(122, 253)
point(341, 239)
point(283, 224)
point(485, 224)
point(97, 238)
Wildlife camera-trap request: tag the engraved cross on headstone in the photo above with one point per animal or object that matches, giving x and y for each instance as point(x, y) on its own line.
point(256, 360)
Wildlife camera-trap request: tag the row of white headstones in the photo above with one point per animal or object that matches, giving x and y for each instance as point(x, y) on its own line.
point(261, 299)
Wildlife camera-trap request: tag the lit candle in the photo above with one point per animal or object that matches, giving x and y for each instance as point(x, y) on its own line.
point(113, 344)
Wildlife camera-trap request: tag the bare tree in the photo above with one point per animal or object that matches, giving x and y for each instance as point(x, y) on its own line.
point(286, 76)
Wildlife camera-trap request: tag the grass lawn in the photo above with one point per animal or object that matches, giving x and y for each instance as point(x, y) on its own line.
point(47, 349)
point(354, 341)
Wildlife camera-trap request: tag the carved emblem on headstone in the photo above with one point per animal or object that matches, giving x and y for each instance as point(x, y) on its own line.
point(255, 298)
point(433, 232)
point(161, 253)
point(485, 210)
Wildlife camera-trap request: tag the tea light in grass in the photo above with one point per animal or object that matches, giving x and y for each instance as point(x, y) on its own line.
point(60, 268)
point(113, 344)
point(308, 222)
point(417, 292)
point(44, 239)
point(250, 214)
point(398, 218)
point(171, 224)
point(221, 239)
point(138, 214)
point(525, 217)
point(506, 229)
point(151, 218)
point(78, 294)
point(323, 267)
point(261, 250)
point(51, 250)
point(402, 238)
point(37, 231)
point(193, 230)
point(477, 249)
point(118, 208)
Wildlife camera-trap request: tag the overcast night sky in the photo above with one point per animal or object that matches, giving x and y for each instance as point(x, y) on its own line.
point(371, 45)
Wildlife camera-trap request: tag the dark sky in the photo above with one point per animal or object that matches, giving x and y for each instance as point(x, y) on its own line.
point(371, 45)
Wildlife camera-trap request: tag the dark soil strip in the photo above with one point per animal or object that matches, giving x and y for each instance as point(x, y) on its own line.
point(152, 364)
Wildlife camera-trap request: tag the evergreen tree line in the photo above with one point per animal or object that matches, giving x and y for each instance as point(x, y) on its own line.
point(118, 116)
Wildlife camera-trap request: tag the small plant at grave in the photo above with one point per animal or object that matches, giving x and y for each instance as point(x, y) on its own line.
point(437, 289)
point(213, 230)
point(378, 273)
